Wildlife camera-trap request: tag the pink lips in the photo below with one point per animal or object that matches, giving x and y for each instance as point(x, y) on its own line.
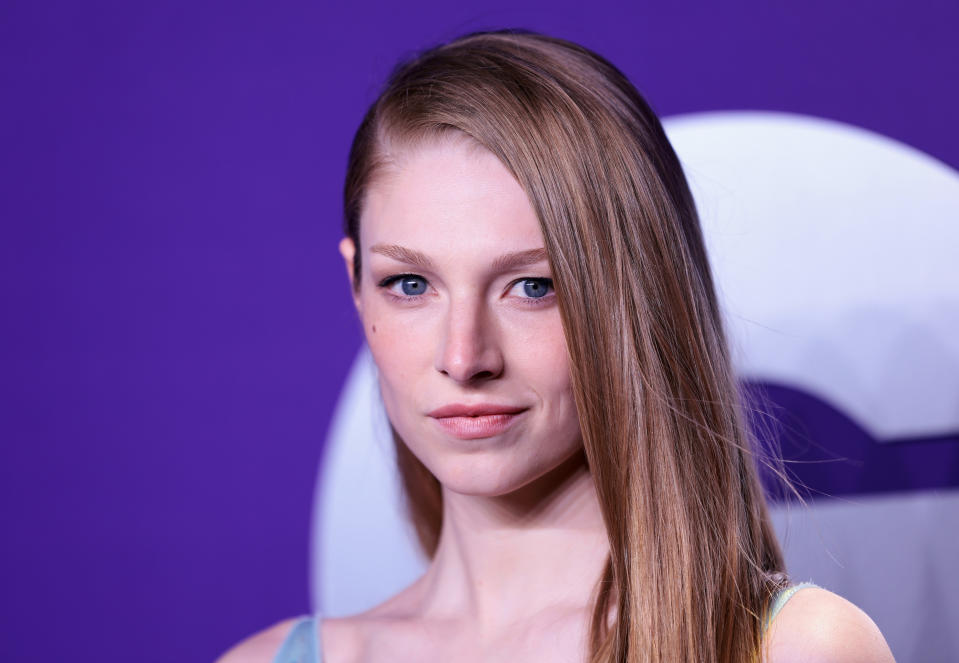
point(473, 422)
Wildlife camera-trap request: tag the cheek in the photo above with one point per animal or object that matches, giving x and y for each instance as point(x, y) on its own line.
point(549, 369)
point(399, 346)
point(538, 351)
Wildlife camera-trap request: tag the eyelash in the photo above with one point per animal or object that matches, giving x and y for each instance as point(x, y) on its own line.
point(531, 301)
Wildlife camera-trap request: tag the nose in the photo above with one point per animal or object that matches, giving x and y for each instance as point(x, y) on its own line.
point(469, 350)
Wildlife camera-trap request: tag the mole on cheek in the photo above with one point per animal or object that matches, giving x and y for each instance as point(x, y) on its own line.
point(374, 328)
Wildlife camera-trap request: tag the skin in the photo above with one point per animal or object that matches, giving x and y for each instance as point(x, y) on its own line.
point(523, 541)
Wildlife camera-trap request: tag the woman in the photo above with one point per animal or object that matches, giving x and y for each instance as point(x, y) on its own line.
point(527, 264)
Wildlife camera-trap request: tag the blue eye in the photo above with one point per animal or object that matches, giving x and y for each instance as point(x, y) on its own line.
point(409, 285)
point(413, 285)
point(536, 288)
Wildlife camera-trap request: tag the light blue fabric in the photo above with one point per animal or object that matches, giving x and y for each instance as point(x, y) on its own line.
point(779, 600)
point(302, 644)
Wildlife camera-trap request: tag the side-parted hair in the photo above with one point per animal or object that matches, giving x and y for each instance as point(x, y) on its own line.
point(693, 555)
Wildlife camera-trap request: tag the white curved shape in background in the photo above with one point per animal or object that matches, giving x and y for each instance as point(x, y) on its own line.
point(362, 547)
point(835, 256)
point(835, 252)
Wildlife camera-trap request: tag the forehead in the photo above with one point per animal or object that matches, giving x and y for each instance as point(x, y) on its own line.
point(444, 192)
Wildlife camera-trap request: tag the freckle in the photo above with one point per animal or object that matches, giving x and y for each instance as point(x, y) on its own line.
point(374, 329)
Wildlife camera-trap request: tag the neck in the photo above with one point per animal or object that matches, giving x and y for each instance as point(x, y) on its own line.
point(502, 559)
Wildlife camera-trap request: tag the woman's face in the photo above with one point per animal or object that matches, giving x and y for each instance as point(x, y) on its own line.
point(458, 309)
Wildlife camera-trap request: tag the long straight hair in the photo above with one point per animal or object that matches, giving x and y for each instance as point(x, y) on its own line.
point(693, 556)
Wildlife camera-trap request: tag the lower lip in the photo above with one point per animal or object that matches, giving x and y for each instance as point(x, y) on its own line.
point(476, 428)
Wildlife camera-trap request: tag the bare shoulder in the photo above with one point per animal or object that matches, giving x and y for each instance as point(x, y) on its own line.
point(260, 647)
point(817, 626)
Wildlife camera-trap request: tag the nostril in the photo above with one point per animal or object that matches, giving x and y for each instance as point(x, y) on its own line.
point(468, 375)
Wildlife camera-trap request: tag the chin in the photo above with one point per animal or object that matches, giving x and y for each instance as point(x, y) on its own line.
point(490, 474)
point(479, 484)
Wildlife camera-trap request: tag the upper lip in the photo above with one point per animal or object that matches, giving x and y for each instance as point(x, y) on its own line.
point(475, 410)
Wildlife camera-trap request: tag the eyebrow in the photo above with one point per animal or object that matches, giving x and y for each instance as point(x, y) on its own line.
point(503, 263)
point(403, 254)
point(510, 261)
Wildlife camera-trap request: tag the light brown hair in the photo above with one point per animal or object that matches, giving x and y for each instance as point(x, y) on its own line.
point(693, 556)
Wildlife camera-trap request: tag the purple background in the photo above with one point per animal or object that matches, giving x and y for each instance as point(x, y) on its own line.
point(176, 322)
